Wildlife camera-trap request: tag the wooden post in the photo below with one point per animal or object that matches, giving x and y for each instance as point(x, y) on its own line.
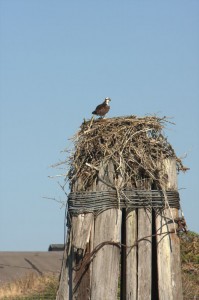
point(105, 266)
point(75, 281)
point(144, 254)
point(144, 247)
point(63, 290)
point(81, 245)
point(82, 242)
point(91, 265)
point(168, 244)
point(131, 255)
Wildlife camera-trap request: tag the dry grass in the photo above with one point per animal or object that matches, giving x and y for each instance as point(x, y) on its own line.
point(136, 146)
point(30, 285)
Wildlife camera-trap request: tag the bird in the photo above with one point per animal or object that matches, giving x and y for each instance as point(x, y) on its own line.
point(102, 109)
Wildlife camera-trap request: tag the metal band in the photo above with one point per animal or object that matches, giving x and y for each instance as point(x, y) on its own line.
point(84, 202)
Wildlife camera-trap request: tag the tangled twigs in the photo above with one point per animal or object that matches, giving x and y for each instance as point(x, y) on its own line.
point(136, 142)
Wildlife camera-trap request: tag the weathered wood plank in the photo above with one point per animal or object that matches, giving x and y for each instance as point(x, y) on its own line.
point(64, 289)
point(82, 278)
point(81, 224)
point(144, 254)
point(105, 272)
point(168, 245)
point(131, 255)
point(82, 228)
point(105, 266)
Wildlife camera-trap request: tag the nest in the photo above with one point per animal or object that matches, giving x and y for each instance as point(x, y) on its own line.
point(136, 146)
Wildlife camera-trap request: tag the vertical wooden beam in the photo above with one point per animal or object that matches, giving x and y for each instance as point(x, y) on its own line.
point(123, 257)
point(63, 290)
point(144, 254)
point(168, 245)
point(105, 266)
point(131, 255)
point(105, 272)
point(82, 229)
point(154, 275)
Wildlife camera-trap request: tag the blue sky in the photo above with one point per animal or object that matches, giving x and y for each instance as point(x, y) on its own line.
point(58, 60)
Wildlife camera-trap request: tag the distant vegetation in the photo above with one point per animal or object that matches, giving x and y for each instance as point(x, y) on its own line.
point(190, 265)
point(34, 287)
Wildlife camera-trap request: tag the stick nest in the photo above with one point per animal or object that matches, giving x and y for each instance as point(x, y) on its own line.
point(136, 146)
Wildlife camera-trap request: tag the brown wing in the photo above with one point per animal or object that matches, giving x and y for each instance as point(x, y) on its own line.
point(101, 110)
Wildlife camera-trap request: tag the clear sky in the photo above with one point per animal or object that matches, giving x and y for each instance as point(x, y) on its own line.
point(58, 60)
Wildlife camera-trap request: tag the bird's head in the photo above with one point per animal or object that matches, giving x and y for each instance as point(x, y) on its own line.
point(107, 100)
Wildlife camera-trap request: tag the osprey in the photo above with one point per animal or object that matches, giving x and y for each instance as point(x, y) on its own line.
point(102, 109)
